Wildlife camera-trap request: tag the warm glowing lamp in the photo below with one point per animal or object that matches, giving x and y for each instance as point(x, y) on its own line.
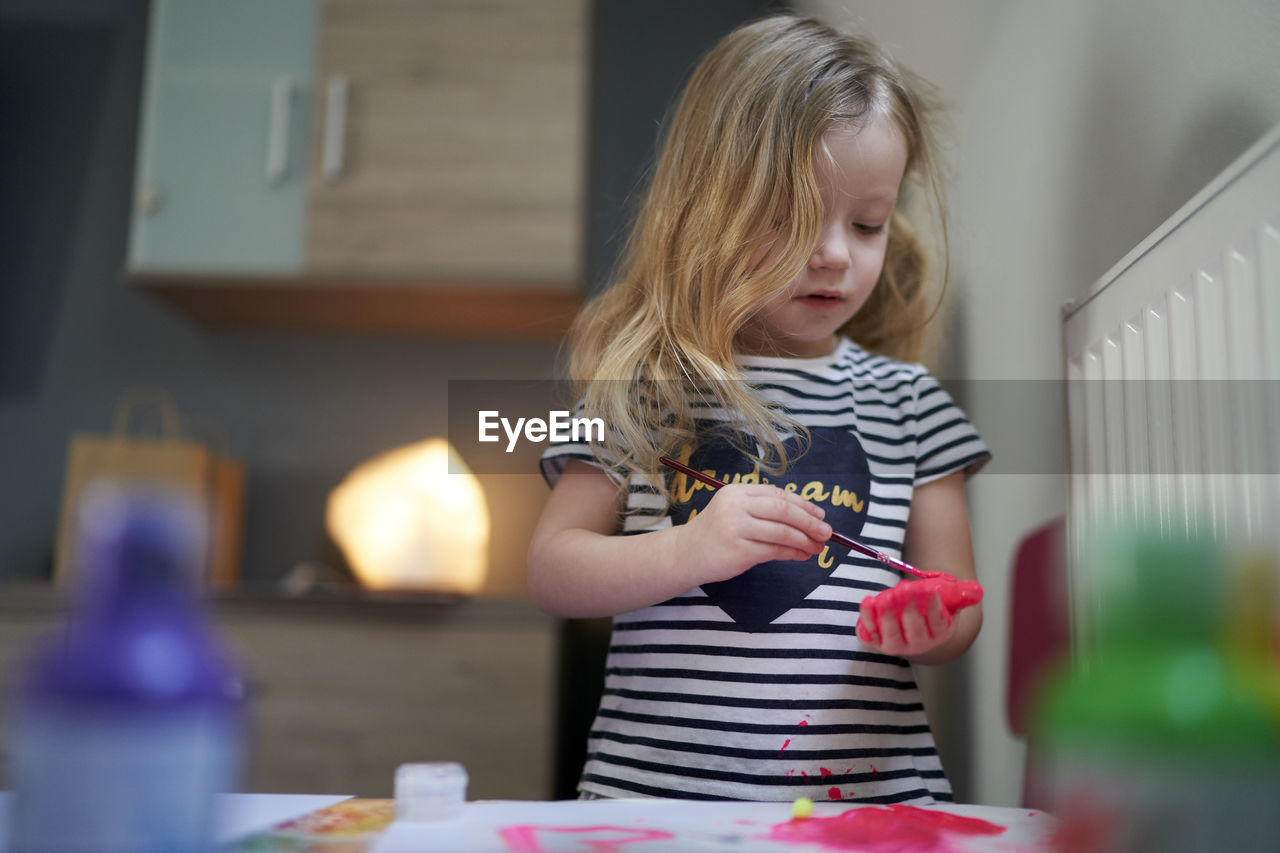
point(413, 518)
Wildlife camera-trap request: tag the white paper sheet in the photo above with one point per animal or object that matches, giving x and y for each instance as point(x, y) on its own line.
point(666, 826)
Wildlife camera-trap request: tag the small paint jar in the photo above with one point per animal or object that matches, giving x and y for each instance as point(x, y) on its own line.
point(430, 791)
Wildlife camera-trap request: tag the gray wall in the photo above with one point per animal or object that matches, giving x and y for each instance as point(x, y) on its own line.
point(1078, 129)
point(299, 411)
point(1087, 126)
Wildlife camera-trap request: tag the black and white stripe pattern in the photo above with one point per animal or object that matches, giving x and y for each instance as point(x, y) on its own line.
point(696, 707)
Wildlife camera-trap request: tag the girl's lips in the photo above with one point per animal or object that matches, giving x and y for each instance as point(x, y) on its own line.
point(821, 300)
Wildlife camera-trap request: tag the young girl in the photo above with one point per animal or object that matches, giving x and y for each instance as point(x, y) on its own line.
point(769, 289)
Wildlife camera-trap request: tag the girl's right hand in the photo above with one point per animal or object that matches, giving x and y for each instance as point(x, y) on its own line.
point(747, 524)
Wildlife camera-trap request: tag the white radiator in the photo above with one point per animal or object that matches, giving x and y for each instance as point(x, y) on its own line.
point(1182, 433)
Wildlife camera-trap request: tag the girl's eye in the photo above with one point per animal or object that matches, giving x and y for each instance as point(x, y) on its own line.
point(863, 228)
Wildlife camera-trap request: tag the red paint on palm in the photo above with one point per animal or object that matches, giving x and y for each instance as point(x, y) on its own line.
point(955, 595)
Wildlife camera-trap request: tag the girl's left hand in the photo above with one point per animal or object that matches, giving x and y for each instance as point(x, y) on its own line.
point(915, 616)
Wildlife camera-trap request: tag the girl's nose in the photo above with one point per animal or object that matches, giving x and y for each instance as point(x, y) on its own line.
point(832, 251)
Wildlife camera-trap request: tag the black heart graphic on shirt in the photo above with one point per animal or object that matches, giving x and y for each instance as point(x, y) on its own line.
point(833, 473)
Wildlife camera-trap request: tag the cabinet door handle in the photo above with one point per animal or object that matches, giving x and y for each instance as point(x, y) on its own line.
point(335, 125)
point(278, 125)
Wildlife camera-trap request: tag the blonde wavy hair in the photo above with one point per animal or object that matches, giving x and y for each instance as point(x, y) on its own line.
point(731, 216)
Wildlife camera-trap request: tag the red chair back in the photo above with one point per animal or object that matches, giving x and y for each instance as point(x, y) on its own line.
point(1039, 626)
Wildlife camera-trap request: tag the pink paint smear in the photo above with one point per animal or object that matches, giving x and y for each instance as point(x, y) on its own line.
point(598, 839)
point(892, 829)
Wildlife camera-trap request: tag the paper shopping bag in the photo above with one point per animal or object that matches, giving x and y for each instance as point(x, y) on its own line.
point(170, 458)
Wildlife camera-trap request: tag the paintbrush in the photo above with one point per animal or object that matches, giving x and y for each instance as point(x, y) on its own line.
point(839, 538)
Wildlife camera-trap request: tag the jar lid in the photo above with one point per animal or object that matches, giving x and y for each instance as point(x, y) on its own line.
point(428, 791)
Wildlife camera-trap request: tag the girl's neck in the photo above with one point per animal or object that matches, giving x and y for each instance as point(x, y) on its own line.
point(756, 345)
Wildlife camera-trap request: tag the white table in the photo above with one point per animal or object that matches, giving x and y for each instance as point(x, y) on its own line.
point(239, 815)
point(667, 826)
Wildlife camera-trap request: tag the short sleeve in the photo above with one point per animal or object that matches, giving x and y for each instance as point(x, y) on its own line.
point(946, 441)
point(559, 451)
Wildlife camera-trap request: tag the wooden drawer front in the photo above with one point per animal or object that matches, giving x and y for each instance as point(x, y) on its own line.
point(339, 703)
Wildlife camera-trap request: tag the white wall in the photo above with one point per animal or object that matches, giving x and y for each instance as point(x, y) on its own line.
point(1079, 128)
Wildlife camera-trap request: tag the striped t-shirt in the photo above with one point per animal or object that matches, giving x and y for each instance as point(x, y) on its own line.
point(758, 688)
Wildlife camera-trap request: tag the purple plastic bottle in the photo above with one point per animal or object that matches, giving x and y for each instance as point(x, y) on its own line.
point(127, 725)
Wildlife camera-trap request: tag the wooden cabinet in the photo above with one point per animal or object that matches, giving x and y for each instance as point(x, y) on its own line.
point(452, 139)
point(323, 163)
point(342, 692)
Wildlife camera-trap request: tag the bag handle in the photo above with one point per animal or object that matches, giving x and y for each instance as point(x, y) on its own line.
point(140, 399)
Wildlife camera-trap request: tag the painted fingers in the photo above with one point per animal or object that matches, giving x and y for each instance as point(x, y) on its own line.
point(914, 616)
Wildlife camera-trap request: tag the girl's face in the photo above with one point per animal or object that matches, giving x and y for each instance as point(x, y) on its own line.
point(859, 186)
